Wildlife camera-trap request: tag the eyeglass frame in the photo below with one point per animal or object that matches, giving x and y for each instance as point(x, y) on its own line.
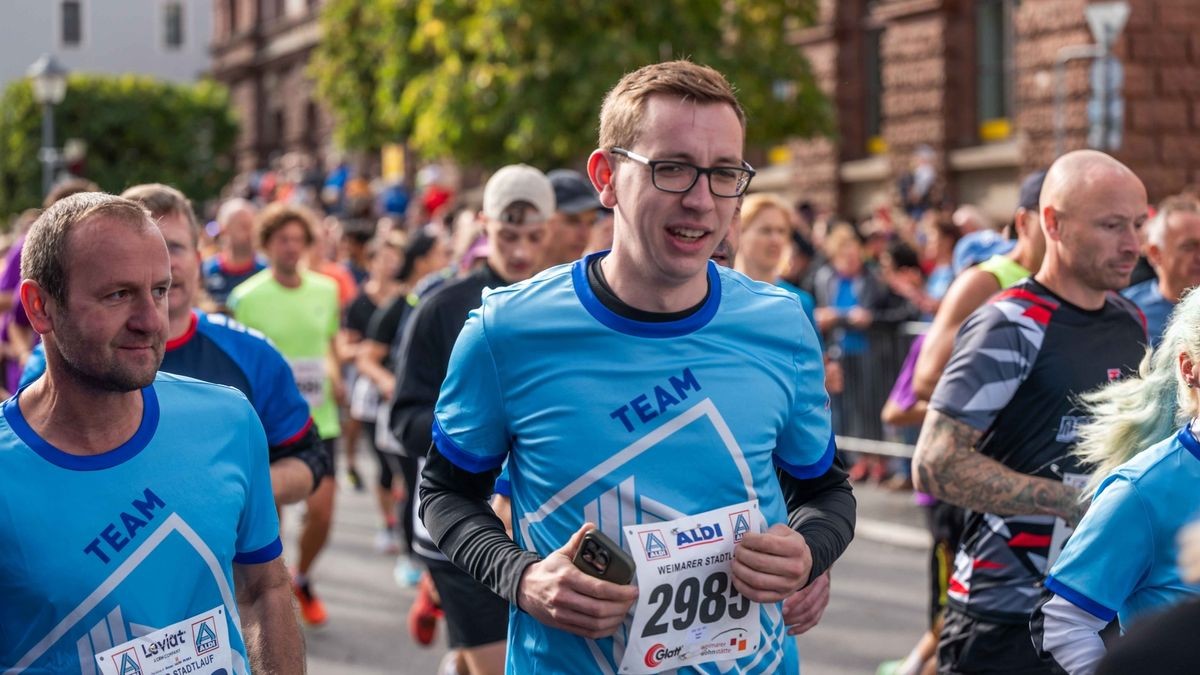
point(700, 170)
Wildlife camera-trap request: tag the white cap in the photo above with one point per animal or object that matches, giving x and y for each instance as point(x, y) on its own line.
point(518, 183)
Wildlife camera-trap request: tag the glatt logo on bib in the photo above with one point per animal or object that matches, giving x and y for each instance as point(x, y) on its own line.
point(659, 653)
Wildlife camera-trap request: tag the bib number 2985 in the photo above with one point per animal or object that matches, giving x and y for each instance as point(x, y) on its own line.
point(707, 601)
point(688, 612)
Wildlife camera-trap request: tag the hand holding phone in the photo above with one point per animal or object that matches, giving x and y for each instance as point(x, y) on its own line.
point(601, 557)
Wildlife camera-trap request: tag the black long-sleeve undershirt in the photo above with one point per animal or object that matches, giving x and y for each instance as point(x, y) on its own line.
point(455, 509)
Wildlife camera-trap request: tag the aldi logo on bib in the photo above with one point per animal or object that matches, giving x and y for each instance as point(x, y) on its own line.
point(128, 663)
point(740, 522)
point(653, 544)
point(204, 635)
point(704, 534)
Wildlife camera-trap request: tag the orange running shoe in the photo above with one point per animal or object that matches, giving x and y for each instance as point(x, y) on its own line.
point(424, 613)
point(311, 607)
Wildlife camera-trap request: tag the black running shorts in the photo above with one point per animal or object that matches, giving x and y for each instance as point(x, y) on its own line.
point(475, 616)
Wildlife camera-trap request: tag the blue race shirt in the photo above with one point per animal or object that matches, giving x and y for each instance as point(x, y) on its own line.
point(1121, 560)
point(854, 341)
point(620, 422)
point(218, 349)
point(220, 278)
point(1154, 306)
point(806, 301)
point(99, 548)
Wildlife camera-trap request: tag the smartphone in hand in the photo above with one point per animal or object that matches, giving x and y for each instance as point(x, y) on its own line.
point(602, 558)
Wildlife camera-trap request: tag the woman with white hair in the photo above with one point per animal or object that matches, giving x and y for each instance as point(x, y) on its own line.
point(1121, 561)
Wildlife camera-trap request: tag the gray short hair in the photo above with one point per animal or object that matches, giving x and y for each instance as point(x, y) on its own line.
point(1156, 227)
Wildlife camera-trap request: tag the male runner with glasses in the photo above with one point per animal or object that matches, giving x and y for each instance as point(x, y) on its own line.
point(638, 392)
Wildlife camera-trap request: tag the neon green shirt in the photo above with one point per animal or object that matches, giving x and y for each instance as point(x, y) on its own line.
point(1006, 270)
point(302, 323)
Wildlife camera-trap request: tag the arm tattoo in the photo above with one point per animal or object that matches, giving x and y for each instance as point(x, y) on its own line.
point(949, 468)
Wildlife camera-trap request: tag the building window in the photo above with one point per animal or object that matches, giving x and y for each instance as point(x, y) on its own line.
point(278, 122)
point(994, 39)
point(173, 25)
point(72, 23)
point(231, 11)
point(873, 77)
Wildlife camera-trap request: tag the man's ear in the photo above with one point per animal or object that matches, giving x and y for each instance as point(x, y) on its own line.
point(600, 171)
point(1050, 223)
point(37, 304)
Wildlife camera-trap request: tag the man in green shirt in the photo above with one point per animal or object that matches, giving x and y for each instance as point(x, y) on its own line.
point(298, 310)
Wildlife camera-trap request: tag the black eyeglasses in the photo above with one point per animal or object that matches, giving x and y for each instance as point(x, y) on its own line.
point(670, 175)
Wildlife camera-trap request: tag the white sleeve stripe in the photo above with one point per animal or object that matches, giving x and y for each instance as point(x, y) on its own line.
point(1072, 636)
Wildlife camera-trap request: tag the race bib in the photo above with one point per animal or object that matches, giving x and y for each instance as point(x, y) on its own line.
point(1062, 531)
point(310, 379)
point(195, 646)
point(688, 611)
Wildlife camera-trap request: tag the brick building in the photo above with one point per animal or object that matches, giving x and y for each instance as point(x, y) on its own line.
point(975, 80)
point(260, 51)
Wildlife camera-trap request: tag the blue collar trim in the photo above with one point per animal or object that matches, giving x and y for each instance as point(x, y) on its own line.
point(648, 329)
point(1187, 440)
point(105, 460)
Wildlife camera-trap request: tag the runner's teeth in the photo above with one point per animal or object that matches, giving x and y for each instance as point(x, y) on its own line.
point(686, 233)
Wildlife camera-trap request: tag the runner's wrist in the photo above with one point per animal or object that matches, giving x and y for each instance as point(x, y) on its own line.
point(516, 594)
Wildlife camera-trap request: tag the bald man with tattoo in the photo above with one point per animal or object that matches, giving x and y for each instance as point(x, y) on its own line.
point(1002, 421)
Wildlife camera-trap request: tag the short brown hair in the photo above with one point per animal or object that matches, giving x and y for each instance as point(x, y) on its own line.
point(44, 255)
point(623, 108)
point(163, 200)
point(274, 217)
point(66, 188)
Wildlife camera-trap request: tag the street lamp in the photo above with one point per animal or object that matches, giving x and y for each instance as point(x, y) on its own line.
point(49, 87)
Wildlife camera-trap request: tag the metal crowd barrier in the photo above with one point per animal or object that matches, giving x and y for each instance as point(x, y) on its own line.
point(869, 377)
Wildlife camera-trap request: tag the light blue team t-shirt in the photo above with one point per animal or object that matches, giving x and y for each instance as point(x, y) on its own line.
point(619, 422)
point(102, 549)
point(1121, 560)
point(1154, 306)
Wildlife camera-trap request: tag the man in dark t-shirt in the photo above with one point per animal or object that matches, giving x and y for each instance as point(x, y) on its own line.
point(1002, 421)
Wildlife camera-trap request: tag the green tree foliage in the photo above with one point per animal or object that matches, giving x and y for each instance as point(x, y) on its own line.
point(495, 81)
point(137, 130)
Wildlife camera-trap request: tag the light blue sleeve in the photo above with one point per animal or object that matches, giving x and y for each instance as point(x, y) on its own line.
point(469, 425)
point(258, 528)
point(35, 365)
point(806, 448)
point(1109, 553)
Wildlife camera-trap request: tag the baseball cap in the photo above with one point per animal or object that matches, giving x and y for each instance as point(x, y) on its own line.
point(572, 192)
point(517, 183)
point(1031, 190)
point(977, 247)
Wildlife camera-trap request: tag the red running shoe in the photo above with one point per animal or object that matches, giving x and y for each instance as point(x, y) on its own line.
point(311, 607)
point(424, 613)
